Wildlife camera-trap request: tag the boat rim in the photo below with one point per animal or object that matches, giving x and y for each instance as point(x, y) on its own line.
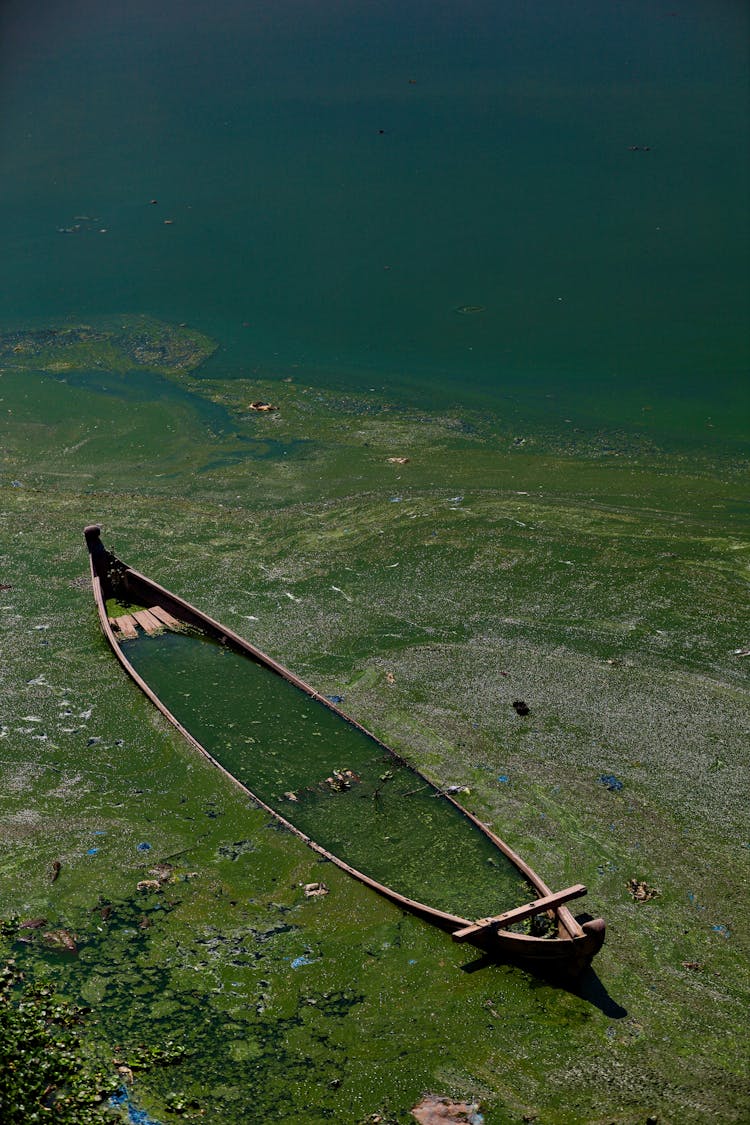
point(571, 933)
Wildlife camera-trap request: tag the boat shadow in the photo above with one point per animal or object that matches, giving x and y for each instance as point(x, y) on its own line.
point(586, 986)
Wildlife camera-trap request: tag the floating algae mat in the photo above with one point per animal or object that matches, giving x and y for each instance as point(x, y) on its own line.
point(328, 777)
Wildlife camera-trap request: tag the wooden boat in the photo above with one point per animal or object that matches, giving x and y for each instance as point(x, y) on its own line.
point(140, 610)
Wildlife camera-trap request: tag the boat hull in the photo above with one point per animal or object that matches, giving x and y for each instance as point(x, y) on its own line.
point(576, 942)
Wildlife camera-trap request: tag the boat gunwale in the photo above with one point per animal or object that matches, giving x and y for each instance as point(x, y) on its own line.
point(571, 934)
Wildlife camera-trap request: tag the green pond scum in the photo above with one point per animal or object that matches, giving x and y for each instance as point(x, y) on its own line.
point(429, 595)
point(487, 266)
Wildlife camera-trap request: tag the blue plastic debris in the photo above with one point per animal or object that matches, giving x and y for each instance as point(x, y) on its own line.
point(723, 930)
point(611, 782)
point(503, 779)
point(298, 962)
point(92, 851)
point(335, 698)
point(135, 1116)
point(16, 484)
point(140, 1117)
point(395, 499)
point(412, 961)
point(144, 847)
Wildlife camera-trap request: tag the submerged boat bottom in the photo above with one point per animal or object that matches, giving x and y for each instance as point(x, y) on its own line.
point(330, 779)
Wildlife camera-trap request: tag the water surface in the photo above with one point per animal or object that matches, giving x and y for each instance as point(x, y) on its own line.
point(334, 182)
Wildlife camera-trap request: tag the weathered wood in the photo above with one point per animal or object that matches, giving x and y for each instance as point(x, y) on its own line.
point(159, 612)
point(125, 625)
point(538, 906)
point(148, 622)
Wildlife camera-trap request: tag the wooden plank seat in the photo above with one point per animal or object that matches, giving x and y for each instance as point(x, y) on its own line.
point(166, 618)
point(148, 622)
point(538, 906)
point(124, 625)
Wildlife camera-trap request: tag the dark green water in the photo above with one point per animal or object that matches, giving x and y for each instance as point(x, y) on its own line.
point(342, 178)
point(276, 739)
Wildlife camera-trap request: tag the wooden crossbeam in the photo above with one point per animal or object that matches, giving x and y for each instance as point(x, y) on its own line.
point(147, 621)
point(500, 921)
point(125, 625)
point(163, 616)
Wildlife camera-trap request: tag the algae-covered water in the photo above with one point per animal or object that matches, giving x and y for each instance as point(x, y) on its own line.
point(329, 779)
point(488, 263)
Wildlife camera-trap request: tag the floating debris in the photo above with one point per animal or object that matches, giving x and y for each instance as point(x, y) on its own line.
point(290, 796)
point(341, 780)
point(397, 460)
point(32, 924)
point(135, 1116)
point(298, 962)
point(694, 966)
point(390, 678)
point(150, 886)
point(470, 310)
point(144, 847)
point(737, 652)
point(315, 890)
point(162, 872)
point(60, 940)
point(433, 1110)
point(641, 891)
point(262, 407)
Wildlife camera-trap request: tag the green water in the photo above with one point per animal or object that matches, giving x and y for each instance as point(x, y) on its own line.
point(566, 523)
point(342, 179)
point(275, 739)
